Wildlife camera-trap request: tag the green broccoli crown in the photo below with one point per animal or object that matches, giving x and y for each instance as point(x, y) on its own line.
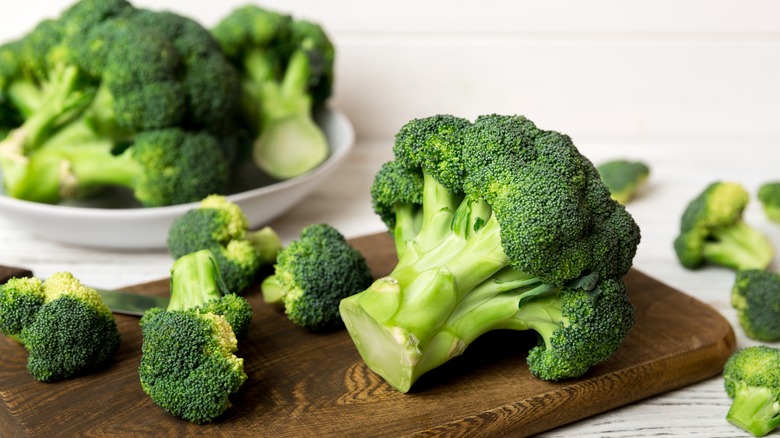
point(623, 177)
point(712, 230)
point(64, 325)
point(497, 224)
point(769, 196)
point(109, 75)
point(221, 227)
point(251, 28)
point(188, 366)
point(587, 329)
point(752, 380)
point(756, 297)
point(313, 274)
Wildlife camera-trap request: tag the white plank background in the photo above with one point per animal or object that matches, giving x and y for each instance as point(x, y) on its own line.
point(690, 86)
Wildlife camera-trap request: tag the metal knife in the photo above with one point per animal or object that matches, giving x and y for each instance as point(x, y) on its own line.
point(126, 303)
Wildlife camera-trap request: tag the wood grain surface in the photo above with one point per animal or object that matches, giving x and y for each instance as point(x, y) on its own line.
point(305, 384)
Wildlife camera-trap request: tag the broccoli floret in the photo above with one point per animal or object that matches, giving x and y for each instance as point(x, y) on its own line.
point(769, 195)
point(96, 85)
point(498, 225)
point(623, 178)
point(188, 363)
point(64, 325)
point(712, 230)
point(752, 380)
point(220, 225)
point(756, 296)
point(313, 274)
point(286, 67)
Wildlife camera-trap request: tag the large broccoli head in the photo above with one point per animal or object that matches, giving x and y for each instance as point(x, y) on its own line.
point(491, 220)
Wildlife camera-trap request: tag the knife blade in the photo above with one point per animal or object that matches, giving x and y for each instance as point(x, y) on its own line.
point(130, 303)
point(126, 303)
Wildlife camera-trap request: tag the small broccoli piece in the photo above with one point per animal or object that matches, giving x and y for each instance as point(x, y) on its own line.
point(752, 380)
point(287, 71)
point(313, 274)
point(220, 225)
point(769, 196)
point(712, 230)
point(188, 363)
point(64, 325)
point(93, 88)
point(756, 296)
point(623, 178)
point(497, 225)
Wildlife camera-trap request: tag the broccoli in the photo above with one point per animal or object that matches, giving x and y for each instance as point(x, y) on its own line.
point(313, 274)
point(756, 297)
point(499, 225)
point(64, 325)
point(112, 95)
point(712, 230)
point(286, 67)
point(188, 363)
point(220, 225)
point(769, 196)
point(623, 178)
point(752, 380)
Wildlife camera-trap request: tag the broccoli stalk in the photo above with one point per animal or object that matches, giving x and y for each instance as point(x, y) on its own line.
point(752, 380)
point(188, 362)
point(497, 241)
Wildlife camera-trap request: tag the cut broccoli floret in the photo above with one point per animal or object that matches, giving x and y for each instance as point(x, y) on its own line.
point(96, 86)
point(64, 325)
point(498, 225)
point(752, 380)
point(769, 195)
point(313, 274)
point(712, 230)
point(756, 296)
point(623, 178)
point(188, 363)
point(220, 225)
point(287, 71)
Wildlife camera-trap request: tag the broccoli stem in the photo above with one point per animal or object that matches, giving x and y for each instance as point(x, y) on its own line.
point(462, 272)
point(290, 142)
point(408, 221)
point(740, 247)
point(195, 280)
point(754, 409)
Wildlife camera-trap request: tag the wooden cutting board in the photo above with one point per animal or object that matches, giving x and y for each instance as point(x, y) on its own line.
point(305, 384)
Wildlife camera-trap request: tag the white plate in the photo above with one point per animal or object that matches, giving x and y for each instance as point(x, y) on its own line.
point(147, 228)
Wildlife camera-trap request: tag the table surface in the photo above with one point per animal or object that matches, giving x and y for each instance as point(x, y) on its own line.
point(680, 170)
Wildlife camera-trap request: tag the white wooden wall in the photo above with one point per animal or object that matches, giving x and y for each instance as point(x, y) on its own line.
point(617, 70)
